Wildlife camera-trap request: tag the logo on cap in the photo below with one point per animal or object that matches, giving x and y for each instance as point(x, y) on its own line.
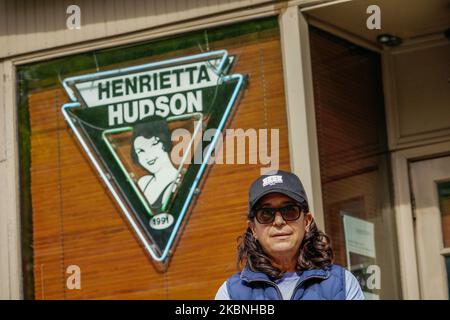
point(270, 181)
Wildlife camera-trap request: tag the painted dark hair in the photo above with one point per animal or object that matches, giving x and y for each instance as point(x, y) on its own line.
point(315, 251)
point(156, 126)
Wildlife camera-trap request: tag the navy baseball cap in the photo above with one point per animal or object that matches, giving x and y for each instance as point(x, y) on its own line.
point(278, 181)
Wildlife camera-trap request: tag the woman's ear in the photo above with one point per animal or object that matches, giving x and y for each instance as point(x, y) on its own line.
point(308, 220)
point(251, 225)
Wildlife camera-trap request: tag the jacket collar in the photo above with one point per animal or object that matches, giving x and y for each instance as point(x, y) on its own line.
point(251, 276)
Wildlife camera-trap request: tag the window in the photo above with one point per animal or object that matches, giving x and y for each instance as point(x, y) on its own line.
point(354, 162)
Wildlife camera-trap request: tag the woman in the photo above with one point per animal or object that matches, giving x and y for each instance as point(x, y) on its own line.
point(284, 254)
point(150, 147)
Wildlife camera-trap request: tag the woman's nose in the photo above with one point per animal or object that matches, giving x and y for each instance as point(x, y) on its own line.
point(278, 219)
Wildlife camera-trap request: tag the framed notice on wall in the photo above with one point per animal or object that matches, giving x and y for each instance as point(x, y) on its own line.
point(360, 251)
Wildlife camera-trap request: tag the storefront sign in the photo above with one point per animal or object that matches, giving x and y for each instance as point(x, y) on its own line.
point(123, 119)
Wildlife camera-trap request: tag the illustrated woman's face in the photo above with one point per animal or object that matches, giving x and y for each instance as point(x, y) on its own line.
point(280, 239)
point(150, 153)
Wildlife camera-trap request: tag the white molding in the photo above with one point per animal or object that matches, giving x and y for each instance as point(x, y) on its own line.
point(10, 243)
point(304, 157)
point(323, 4)
point(404, 214)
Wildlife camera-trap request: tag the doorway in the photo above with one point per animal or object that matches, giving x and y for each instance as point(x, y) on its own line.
point(430, 184)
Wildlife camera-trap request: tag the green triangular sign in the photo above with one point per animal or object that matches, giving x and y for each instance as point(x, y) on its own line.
point(142, 127)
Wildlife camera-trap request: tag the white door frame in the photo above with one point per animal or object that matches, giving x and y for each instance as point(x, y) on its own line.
point(409, 273)
point(428, 225)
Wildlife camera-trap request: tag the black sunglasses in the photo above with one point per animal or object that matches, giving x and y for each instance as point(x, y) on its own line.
point(267, 215)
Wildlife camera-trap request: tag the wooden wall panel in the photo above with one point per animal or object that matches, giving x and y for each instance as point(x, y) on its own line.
point(76, 221)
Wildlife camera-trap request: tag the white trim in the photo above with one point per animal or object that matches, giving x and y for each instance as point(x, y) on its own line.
point(425, 176)
point(10, 242)
point(322, 5)
point(445, 251)
point(404, 214)
point(304, 158)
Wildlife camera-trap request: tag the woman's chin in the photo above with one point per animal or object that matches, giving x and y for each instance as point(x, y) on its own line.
point(153, 169)
point(282, 246)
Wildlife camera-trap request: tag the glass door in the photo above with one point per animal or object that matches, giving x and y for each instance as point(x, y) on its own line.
point(431, 192)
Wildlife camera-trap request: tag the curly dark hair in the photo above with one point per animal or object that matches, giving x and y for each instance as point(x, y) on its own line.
point(155, 126)
point(315, 251)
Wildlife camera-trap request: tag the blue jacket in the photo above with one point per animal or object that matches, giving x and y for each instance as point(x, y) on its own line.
point(316, 284)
